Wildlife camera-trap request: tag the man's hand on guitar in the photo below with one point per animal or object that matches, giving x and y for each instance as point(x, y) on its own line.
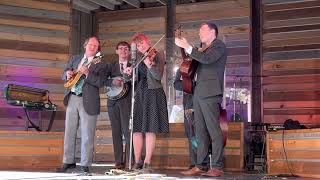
point(69, 74)
point(128, 71)
point(84, 70)
point(182, 42)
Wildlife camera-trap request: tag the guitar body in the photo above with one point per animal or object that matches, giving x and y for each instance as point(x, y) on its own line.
point(73, 80)
point(188, 69)
point(224, 125)
point(77, 75)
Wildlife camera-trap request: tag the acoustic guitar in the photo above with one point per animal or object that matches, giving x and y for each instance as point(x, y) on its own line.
point(77, 75)
point(188, 68)
point(224, 125)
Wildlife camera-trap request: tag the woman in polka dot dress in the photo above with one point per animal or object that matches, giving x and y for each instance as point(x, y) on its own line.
point(150, 109)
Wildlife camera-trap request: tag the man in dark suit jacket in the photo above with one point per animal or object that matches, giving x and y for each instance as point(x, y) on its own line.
point(208, 95)
point(82, 103)
point(119, 110)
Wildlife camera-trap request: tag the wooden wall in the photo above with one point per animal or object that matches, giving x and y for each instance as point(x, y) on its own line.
point(291, 60)
point(114, 27)
point(32, 151)
point(34, 47)
point(233, 21)
point(294, 152)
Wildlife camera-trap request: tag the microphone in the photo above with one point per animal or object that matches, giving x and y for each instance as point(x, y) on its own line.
point(133, 53)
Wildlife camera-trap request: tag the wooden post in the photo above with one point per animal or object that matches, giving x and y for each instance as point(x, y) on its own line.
point(256, 61)
point(169, 53)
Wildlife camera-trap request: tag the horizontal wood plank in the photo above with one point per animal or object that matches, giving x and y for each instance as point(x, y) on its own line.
point(304, 119)
point(45, 5)
point(292, 64)
point(292, 14)
point(34, 55)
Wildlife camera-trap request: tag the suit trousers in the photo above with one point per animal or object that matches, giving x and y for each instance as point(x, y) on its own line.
point(75, 115)
point(119, 114)
point(208, 130)
point(189, 118)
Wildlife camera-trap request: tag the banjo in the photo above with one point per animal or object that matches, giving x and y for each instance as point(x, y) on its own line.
point(117, 92)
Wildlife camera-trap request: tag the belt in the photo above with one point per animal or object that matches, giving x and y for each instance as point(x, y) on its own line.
point(79, 95)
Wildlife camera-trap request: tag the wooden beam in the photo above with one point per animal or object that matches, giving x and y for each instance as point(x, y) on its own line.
point(256, 41)
point(134, 3)
point(80, 8)
point(104, 4)
point(115, 2)
point(89, 6)
point(162, 2)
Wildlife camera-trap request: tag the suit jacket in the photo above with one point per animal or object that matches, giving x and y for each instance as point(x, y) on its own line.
point(210, 72)
point(92, 83)
point(114, 71)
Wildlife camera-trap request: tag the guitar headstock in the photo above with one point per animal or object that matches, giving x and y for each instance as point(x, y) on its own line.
point(178, 31)
point(97, 59)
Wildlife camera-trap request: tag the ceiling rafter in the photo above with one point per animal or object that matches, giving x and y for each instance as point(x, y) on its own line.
point(87, 5)
point(104, 3)
point(134, 3)
point(162, 2)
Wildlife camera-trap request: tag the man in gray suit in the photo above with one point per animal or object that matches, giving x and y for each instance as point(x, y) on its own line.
point(82, 103)
point(208, 93)
point(119, 110)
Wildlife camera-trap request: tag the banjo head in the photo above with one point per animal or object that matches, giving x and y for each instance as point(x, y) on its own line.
point(117, 92)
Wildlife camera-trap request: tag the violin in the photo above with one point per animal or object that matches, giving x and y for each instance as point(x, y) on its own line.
point(151, 54)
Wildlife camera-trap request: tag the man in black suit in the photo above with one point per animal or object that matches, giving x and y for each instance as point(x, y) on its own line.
point(82, 103)
point(208, 94)
point(119, 110)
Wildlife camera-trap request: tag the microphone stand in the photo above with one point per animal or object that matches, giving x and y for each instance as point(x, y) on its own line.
point(132, 108)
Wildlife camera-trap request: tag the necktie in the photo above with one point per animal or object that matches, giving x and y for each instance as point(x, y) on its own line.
point(121, 67)
point(79, 84)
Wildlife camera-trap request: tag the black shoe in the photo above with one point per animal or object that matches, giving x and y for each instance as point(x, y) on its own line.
point(65, 167)
point(137, 166)
point(120, 166)
point(84, 169)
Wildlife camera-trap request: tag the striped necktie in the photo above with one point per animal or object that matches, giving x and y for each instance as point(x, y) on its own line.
point(79, 84)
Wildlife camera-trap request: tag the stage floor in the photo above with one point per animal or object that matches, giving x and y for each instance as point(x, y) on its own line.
point(99, 172)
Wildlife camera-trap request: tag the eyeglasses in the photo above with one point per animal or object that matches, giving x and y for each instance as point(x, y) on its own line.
point(123, 48)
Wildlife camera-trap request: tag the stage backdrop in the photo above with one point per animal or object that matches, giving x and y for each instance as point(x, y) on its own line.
point(291, 61)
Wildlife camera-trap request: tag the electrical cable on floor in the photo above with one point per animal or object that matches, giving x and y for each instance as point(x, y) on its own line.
point(285, 154)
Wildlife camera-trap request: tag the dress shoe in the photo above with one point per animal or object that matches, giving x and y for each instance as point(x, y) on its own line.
point(213, 173)
point(193, 171)
point(65, 167)
point(84, 169)
point(119, 166)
